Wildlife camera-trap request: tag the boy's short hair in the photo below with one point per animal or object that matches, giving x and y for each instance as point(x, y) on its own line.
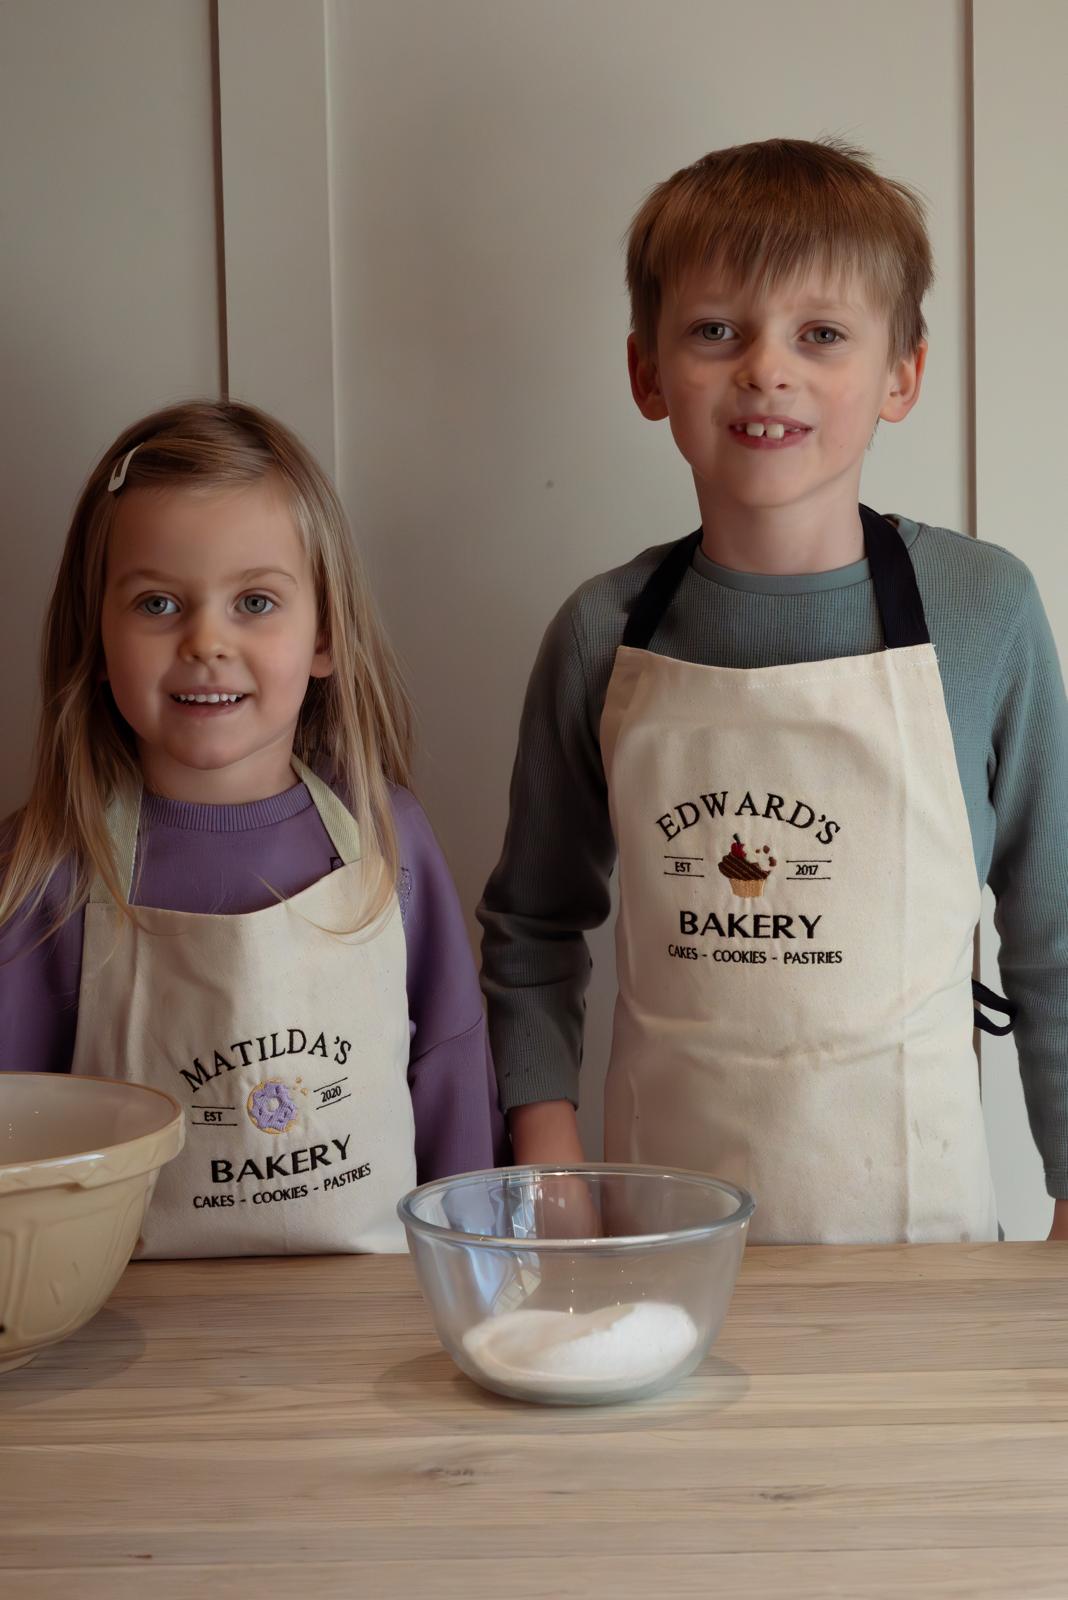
point(773, 210)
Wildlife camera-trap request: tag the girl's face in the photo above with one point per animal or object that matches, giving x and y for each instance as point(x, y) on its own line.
point(210, 635)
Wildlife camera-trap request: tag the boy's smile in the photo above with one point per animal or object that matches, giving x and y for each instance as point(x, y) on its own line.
point(772, 396)
point(210, 634)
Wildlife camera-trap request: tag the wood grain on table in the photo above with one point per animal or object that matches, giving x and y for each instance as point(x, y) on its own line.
point(871, 1423)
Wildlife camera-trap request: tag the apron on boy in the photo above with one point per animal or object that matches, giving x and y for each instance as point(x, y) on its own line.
point(287, 1043)
point(798, 899)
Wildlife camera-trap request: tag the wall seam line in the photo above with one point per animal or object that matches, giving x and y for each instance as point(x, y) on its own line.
point(220, 206)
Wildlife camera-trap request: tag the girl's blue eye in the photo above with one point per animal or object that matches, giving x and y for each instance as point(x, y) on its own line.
point(256, 605)
point(716, 332)
point(156, 605)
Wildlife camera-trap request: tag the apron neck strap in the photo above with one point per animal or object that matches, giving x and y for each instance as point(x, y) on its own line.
point(124, 815)
point(659, 591)
point(897, 594)
point(338, 821)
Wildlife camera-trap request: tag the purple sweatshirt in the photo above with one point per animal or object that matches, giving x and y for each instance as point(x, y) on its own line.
point(218, 859)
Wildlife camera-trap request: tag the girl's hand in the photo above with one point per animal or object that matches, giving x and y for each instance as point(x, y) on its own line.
point(1059, 1229)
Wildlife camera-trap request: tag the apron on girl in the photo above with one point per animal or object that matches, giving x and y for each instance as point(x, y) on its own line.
point(798, 900)
point(287, 1043)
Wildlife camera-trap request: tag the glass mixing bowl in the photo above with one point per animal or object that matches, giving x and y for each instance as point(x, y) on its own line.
point(577, 1285)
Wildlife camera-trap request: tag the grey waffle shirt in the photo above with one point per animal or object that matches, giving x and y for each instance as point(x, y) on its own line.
point(1006, 704)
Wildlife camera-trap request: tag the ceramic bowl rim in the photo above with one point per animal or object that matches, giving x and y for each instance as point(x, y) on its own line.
point(89, 1167)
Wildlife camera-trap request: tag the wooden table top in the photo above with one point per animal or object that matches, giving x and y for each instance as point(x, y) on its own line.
point(872, 1422)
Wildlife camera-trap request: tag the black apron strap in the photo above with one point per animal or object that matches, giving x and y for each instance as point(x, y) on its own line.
point(659, 591)
point(986, 997)
point(893, 577)
point(897, 594)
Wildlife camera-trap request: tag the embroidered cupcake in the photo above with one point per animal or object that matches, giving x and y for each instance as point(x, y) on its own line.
point(747, 875)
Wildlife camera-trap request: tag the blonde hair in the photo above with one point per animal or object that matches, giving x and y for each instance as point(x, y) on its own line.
point(355, 725)
point(769, 212)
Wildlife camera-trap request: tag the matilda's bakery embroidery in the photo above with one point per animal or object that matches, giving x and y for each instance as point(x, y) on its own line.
point(747, 874)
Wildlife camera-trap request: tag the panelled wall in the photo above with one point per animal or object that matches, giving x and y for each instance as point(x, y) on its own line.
point(397, 224)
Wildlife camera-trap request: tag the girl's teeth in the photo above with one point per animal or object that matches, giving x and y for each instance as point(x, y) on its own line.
point(208, 699)
point(755, 430)
point(773, 430)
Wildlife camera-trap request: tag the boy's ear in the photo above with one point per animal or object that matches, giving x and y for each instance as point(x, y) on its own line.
point(645, 383)
point(906, 380)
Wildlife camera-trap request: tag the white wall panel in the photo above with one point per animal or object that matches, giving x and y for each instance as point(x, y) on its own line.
point(276, 212)
point(1021, 357)
point(108, 274)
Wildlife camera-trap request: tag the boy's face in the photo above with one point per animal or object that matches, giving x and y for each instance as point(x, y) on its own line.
point(809, 360)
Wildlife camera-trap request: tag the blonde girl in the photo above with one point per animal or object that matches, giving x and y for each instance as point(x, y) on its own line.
point(220, 884)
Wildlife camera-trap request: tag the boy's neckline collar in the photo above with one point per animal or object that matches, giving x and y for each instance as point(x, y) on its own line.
point(782, 583)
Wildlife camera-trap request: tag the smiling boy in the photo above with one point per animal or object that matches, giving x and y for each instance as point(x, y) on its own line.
point(809, 733)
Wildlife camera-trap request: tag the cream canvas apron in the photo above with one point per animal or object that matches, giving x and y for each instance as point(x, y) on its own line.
point(798, 899)
point(287, 1044)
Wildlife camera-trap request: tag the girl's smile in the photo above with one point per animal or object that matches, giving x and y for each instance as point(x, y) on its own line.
point(212, 703)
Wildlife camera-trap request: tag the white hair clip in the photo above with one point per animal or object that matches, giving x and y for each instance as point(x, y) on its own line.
point(118, 477)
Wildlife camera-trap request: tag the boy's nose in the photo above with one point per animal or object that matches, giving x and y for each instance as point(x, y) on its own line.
point(765, 365)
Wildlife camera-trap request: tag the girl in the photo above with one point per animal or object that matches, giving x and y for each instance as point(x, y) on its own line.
point(220, 884)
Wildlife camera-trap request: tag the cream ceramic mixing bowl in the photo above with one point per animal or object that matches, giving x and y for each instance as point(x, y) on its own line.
point(79, 1159)
point(577, 1285)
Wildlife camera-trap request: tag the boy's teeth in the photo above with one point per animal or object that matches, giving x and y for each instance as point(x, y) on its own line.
point(755, 430)
point(774, 430)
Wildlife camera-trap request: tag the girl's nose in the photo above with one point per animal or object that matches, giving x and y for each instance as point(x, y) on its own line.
point(204, 639)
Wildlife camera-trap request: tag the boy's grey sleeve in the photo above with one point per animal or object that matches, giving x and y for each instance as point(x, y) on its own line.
point(551, 883)
point(1029, 872)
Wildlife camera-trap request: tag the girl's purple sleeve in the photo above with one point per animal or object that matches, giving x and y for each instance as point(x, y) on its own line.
point(39, 981)
point(458, 1122)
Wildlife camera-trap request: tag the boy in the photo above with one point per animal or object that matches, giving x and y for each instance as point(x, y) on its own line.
point(804, 800)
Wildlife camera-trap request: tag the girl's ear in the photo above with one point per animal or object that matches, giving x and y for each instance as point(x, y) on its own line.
point(322, 661)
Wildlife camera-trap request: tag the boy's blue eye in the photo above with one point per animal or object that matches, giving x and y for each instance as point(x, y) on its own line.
point(257, 605)
point(156, 605)
point(835, 336)
point(716, 332)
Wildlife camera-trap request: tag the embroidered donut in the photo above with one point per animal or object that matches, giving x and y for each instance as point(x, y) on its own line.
point(272, 1107)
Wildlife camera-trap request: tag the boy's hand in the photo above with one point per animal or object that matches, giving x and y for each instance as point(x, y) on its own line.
point(1059, 1229)
point(546, 1134)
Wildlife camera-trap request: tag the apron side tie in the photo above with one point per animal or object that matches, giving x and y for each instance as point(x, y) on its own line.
point(987, 997)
